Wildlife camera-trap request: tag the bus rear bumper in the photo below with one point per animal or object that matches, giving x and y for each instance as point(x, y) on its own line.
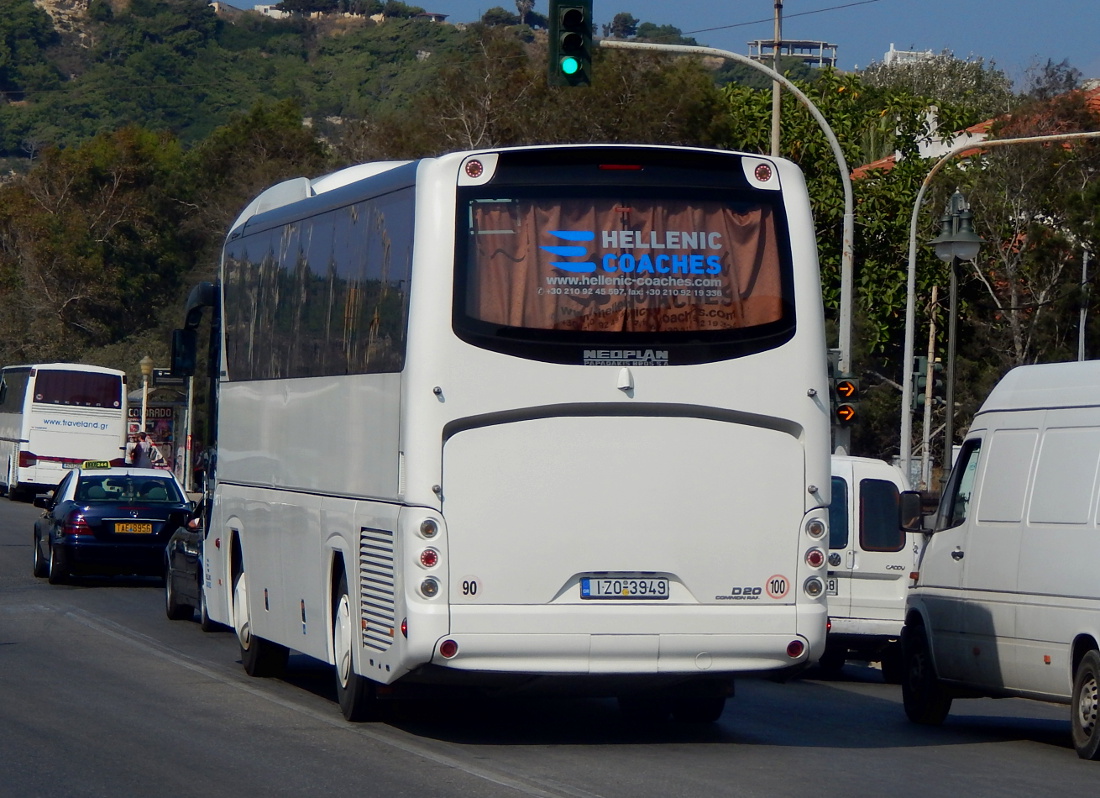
point(622, 653)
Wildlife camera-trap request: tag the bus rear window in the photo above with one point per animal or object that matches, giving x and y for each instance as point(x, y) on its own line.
point(638, 268)
point(77, 388)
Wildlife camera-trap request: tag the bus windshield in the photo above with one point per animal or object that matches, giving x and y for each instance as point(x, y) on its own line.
point(705, 274)
point(77, 388)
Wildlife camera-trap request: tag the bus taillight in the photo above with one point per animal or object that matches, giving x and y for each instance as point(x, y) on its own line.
point(795, 649)
point(448, 649)
point(28, 459)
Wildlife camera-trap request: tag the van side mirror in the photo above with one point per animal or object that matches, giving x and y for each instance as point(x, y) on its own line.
point(184, 347)
point(911, 511)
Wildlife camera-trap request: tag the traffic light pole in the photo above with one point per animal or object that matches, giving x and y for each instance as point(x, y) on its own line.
point(846, 254)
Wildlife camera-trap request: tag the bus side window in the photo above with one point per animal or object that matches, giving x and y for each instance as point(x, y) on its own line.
point(956, 502)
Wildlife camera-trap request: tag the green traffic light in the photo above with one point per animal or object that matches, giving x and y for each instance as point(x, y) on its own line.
point(570, 65)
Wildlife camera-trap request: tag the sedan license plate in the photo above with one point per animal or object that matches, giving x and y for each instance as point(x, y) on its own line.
point(830, 586)
point(133, 529)
point(624, 587)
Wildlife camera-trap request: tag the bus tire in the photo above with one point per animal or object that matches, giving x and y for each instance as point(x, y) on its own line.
point(698, 708)
point(1085, 707)
point(260, 658)
point(41, 564)
point(645, 707)
point(926, 701)
point(357, 694)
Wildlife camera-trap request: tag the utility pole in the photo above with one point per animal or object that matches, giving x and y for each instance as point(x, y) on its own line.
point(777, 89)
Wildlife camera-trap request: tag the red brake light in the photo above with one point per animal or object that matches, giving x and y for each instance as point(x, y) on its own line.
point(27, 459)
point(795, 649)
point(429, 558)
point(76, 525)
point(621, 167)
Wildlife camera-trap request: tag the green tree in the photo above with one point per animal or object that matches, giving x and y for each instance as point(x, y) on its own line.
point(622, 26)
point(25, 33)
point(89, 245)
point(982, 89)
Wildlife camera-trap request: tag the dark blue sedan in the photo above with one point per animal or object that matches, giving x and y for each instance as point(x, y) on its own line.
point(107, 521)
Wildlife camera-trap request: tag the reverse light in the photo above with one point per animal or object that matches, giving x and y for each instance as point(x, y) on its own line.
point(429, 558)
point(816, 528)
point(795, 649)
point(813, 586)
point(815, 557)
point(429, 588)
point(448, 649)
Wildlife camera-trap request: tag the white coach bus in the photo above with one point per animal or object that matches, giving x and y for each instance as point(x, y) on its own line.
point(54, 416)
point(543, 418)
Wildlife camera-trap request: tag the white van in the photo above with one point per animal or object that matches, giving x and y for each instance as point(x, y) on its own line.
point(1007, 599)
point(870, 559)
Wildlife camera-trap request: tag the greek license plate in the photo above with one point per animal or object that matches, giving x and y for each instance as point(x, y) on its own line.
point(830, 586)
point(133, 529)
point(627, 587)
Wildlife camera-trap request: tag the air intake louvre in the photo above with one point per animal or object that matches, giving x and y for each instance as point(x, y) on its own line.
point(376, 596)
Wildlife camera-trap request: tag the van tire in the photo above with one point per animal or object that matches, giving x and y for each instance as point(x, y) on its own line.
point(1085, 709)
point(926, 701)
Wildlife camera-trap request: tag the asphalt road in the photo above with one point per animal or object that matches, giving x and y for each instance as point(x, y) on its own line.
point(101, 695)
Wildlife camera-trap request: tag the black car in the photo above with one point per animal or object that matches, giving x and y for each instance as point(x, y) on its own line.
point(183, 573)
point(107, 521)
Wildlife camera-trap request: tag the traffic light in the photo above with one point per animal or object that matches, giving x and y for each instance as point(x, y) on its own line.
point(920, 383)
point(570, 43)
point(846, 394)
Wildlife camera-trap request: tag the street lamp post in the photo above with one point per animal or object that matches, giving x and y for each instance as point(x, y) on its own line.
point(956, 241)
point(146, 364)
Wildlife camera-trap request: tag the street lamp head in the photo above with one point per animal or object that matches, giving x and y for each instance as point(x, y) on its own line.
point(957, 238)
point(146, 364)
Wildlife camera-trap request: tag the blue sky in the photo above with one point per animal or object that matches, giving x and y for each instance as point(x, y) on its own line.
point(1012, 33)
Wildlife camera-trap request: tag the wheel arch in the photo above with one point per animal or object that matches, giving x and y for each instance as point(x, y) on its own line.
point(1082, 644)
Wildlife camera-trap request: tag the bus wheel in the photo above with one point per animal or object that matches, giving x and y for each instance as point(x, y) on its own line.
point(1086, 707)
point(698, 708)
point(41, 565)
point(926, 701)
point(645, 707)
point(258, 656)
point(55, 571)
point(358, 697)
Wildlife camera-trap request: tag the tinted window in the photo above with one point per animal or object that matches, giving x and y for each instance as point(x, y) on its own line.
point(321, 296)
point(77, 388)
point(879, 529)
point(838, 515)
